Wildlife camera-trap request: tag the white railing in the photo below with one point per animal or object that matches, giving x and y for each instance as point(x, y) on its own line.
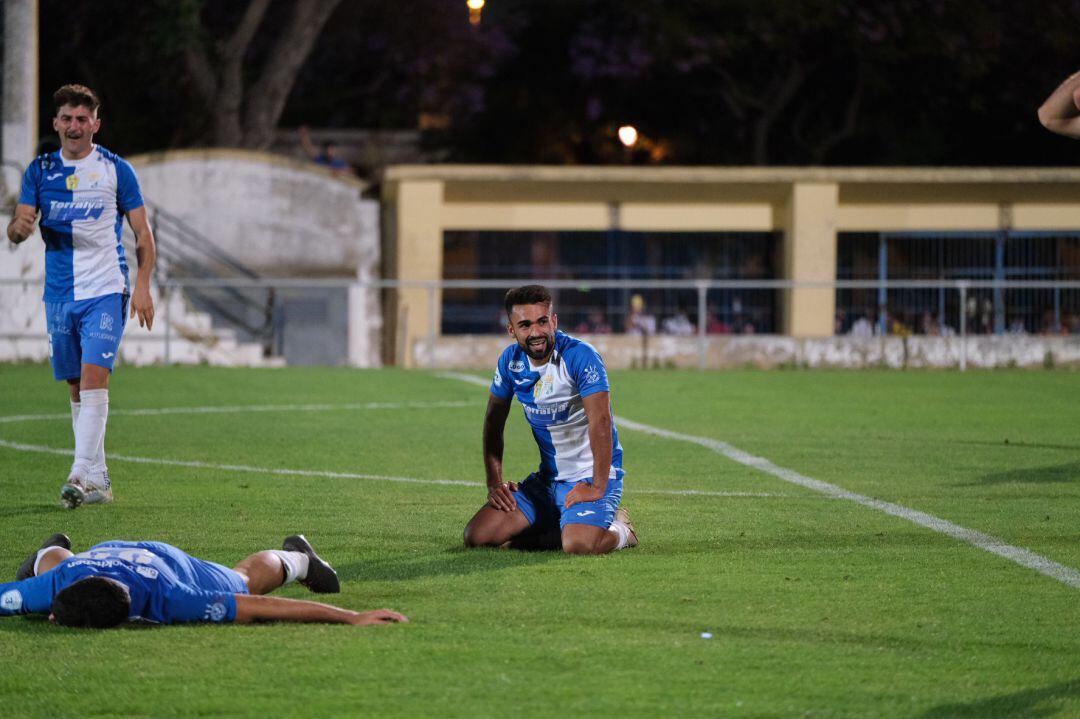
point(435, 287)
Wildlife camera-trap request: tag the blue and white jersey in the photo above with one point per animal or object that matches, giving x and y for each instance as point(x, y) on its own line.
point(551, 396)
point(82, 204)
point(158, 576)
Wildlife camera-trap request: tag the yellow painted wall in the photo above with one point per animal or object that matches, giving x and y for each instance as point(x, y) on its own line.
point(809, 253)
point(417, 250)
point(810, 205)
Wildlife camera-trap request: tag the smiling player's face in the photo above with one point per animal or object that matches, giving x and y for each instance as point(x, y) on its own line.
point(533, 326)
point(76, 125)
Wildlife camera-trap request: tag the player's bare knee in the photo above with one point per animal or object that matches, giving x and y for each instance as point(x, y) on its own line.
point(477, 537)
point(574, 545)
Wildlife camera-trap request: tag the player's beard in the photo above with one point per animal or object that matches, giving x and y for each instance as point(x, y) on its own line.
point(539, 350)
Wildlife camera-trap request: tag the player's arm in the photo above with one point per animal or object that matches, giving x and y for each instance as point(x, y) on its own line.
point(22, 223)
point(1061, 111)
point(598, 413)
point(499, 492)
point(261, 608)
point(142, 304)
point(29, 596)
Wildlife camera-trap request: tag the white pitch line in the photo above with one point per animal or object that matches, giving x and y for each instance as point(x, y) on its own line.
point(242, 467)
point(232, 409)
point(1019, 555)
point(41, 449)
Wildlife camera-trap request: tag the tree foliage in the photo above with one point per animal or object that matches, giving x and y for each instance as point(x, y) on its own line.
point(835, 82)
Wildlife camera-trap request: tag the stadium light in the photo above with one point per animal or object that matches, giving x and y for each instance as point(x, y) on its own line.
point(628, 135)
point(475, 7)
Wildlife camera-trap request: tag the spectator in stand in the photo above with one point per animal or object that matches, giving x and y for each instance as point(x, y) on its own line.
point(328, 157)
point(638, 321)
point(714, 324)
point(900, 328)
point(1049, 325)
point(678, 324)
point(594, 324)
point(862, 328)
point(928, 325)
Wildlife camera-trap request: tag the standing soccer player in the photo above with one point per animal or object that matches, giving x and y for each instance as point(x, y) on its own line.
point(83, 192)
point(562, 385)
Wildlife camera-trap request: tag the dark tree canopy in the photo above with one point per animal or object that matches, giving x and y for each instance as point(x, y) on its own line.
point(835, 82)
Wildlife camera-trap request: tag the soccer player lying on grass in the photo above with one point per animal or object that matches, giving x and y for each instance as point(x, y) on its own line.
point(115, 582)
point(562, 385)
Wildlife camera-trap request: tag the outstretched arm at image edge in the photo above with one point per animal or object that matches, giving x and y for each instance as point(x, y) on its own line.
point(1060, 112)
point(252, 608)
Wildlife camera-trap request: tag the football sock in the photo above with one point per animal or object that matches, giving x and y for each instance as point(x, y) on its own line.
point(98, 470)
point(295, 564)
point(623, 531)
point(90, 430)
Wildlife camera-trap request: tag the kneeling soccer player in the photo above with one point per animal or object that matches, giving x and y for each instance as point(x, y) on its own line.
point(115, 582)
point(562, 385)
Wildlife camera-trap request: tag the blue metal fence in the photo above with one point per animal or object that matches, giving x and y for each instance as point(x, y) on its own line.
point(615, 255)
point(1000, 256)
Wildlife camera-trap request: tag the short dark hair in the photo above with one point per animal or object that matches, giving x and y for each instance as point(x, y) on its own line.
point(527, 295)
point(96, 602)
point(76, 96)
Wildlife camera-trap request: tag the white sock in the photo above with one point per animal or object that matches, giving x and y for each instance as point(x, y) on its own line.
point(98, 471)
point(295, 564)
point(90, 429)
point(623, 531)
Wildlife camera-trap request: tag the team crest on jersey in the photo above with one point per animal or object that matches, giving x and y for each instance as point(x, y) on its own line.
point(11, 601)
point(544, 386)
point(592, 375)
point(215, 612)
point(72, 182)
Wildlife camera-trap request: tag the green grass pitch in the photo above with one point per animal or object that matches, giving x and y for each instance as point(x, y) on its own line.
point(816, 606)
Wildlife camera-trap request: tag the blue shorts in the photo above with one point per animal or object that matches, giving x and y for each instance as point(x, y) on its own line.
point(195, 572)
point(85, 332)
point(542, 500)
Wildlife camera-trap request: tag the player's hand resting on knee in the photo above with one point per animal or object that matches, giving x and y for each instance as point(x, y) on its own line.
point(501, 496)
point(583, 492)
